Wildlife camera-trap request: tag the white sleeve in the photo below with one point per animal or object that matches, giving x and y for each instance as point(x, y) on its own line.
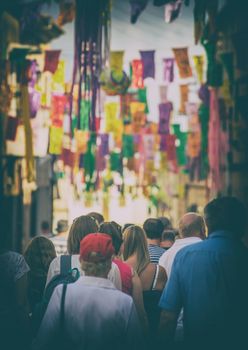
point(54, 269)
point(115, 276)
point(50, 326)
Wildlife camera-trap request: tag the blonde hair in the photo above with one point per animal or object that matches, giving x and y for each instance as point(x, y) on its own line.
point(81, 227)
point(135, 243)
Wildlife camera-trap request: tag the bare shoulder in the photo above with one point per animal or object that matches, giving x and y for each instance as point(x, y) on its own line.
point(162, 278)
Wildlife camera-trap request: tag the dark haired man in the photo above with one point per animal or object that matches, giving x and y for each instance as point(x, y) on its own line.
point(153, 229)
point(209, 280)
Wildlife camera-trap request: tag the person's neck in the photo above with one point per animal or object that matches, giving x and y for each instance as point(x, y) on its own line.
point(155, 241)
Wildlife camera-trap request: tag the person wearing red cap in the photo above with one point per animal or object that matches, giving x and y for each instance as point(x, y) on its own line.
point(96, 314)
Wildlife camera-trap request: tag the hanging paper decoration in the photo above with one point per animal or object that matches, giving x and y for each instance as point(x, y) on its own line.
point(163, 93)
point(148, 144)
point(137, 110)
point(183, 98)
point(194, 144)
point(143, 98)
point(164, 117)
point(162, 146)
point(116, 162)
point(68, 157)
point(127, 146)
point(199, 63)
point(111, 109)
point(137, 6)
point(34, 95)
point(51, 60)
point(227, 59)
point(182, 60)
point(181, 145)
point(147, 58)
point(56, 139)
point(137, 74)
point(172, 11)
point(168, 69)
point(57, 110)
point(90, 51)
point(81, 138)
point(104, 144)
point(90, 162)
point(191, 108)
point(171, 147)
point(58, 79)
point(214, 67)
point(84, 115)
point(116, 60)
point(114, 82)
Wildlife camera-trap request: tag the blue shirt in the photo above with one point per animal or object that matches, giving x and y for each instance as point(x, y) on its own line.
point(210, 281)
point(155, 253)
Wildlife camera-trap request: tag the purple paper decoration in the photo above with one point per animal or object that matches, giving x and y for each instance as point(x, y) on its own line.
point(164, 117)
point(104, 146)
point(137, 6)
point(204, 94)
point(163, 143)
point(147, 58)
point(168, 69)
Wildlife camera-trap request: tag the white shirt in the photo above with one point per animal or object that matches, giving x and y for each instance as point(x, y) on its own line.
point(97, 316)
point(166, 260)
point(54, 269)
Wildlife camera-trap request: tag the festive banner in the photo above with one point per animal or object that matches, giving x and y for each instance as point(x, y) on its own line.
point(85, 111)
point(127, 146)
point(199, 63)
point(162, 146)
point(142, 97)
point(58, 110)
point(110, 109)
point(168, 69)
point(194, 144)
point(172, 11)
point(171, 147)
point(68, 157)
point(182, 60)
point(181, 145)
point(81, 138)
point(164, 117)
point(149, 145)
point(116, 162)
point(116, 60)
point(147, 58)
point(58, 79)
point(183, 98)
point(137, 74)
point(163, 93)
point(51, 60)
point(56, 140)
point(137, 110)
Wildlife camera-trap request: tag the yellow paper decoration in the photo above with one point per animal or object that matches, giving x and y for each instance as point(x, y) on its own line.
point(58, 79)
point(137, 107)
point(110, 109)
point(81, 138)
point(199, 63)
point(56, 139)
point(116, 60)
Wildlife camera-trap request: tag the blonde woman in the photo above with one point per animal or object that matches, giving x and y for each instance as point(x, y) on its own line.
point(153, 277)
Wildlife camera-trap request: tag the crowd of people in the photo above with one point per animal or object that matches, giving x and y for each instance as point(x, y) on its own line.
point(152, 286)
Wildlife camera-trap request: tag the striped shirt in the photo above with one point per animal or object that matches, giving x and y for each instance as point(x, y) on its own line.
point(155, 253)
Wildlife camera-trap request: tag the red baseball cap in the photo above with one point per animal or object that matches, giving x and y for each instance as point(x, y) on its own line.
point(98, 243)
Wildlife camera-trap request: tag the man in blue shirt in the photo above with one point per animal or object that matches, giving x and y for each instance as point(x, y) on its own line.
point(210, 281)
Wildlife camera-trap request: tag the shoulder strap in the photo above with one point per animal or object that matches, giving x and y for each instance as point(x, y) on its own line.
point(65, 264)
point(62, 308)
point(155, 277)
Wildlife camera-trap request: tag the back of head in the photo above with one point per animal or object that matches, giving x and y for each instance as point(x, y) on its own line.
point(45, 226)
point(153, 228)
point(126, 226)
point(135, 242)
point(226, 213)
point(110, 229)
point(97, 216)
point(81, 226)
point(166, 222)
point(168, 235)
point(191, 225)
point(62, 226)
point(39, 254)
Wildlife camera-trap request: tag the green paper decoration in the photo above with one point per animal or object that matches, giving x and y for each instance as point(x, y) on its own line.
point(85, 111)
point(127, 146)
point(116, 162)
point(142, 97)
point(203, 114)
point(180, 150)
point(90, 162)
